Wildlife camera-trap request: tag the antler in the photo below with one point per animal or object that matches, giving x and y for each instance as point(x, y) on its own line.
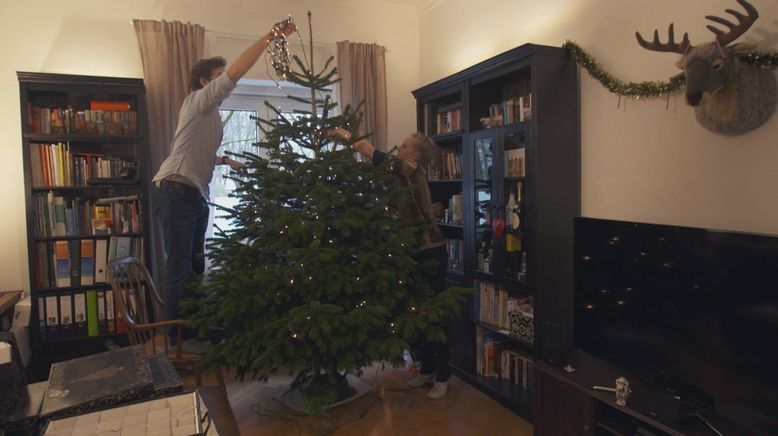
point(735, 30)
point(671, 46)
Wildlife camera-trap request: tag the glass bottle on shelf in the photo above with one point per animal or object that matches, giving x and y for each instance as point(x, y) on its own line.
point(522, 276)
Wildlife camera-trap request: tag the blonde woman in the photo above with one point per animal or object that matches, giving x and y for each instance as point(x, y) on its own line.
point(409, 170)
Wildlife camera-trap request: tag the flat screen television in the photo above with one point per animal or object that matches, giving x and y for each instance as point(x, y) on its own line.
point(690, 310)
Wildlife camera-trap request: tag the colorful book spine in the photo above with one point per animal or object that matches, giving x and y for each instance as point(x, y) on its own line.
point(87, 262)
point(62, 262)
point(92, 311)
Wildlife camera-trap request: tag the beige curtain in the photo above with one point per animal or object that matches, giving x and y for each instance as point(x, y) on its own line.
point(168, 50)
point(362, 71)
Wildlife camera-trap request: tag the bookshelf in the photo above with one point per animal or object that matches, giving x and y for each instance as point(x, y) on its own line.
point(513, 121)
point(85, 149)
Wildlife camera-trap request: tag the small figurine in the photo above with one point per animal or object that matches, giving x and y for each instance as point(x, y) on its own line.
point(622, 390)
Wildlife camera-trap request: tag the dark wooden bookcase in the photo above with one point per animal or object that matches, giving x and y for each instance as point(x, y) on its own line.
point(85, 150)
point(514, 121)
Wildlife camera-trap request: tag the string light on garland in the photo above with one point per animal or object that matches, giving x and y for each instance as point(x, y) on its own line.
point(762, 60)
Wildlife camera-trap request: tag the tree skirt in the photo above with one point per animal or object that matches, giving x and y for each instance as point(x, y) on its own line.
point(294, 400)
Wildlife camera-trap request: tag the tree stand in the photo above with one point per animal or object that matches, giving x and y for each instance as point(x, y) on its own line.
point(323, 392)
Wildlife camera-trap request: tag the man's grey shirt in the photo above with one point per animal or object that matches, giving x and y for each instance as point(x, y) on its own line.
point(198, 136)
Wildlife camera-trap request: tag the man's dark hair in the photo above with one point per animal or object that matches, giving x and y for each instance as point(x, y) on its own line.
point(203, 69)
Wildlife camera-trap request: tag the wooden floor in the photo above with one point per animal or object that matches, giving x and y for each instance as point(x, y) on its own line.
point(465, 411)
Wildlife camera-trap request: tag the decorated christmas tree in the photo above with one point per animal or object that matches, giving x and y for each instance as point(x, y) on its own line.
point(316, 276)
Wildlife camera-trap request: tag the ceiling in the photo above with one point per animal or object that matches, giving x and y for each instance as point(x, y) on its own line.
point(420, 5)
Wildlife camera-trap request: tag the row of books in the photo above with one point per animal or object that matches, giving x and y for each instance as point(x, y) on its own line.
point(59, 216)
point(494, 305)
point(56, 165)
point(448, 119)
point(453, 213)
point(515, 162)
point(102, 118)
point(511, 110)
point(79, 314)
point(80, 262)
point(448, 168)
point(442, 118)
point(496, 358)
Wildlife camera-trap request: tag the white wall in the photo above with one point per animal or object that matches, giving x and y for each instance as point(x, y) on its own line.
point(643, 162)
point(93, 38)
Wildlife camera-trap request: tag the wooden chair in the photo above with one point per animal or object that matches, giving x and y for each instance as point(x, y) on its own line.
point(143, 309)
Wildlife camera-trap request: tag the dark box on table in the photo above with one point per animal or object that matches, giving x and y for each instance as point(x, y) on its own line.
point(98, 381)
point(164, 375)
point(23, 419)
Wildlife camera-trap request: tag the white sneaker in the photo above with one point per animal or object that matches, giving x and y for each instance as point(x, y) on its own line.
point(438, 391)
point(419, 380)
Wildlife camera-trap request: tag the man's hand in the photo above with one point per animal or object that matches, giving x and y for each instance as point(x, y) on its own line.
point(285, 27)
point(235, 165)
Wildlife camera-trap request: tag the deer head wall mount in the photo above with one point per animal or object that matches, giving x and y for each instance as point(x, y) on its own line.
point(729, 96)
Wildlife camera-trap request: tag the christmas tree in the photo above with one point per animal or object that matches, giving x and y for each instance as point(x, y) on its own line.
point(317, 275)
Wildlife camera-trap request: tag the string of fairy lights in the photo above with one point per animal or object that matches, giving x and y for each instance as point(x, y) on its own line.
point(278, 49)
point(278, 58)
point(637, 90)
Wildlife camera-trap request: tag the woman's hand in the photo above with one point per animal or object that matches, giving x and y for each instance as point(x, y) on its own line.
point(339, 132)
point(363, 146)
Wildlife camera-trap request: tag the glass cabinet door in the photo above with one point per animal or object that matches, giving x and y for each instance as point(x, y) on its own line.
point(483, 145)
point(512, 197)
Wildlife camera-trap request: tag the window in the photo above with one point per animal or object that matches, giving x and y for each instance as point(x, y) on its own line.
point(241, 131)
point(240, 134)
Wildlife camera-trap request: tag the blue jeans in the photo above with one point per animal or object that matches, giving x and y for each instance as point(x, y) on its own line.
point(183, 216)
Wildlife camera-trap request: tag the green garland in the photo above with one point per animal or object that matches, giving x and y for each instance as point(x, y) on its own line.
point(761, 60)
point(616, 86)
point(650, 89)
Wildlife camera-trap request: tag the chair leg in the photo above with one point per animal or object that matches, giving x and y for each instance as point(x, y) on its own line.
point(220, 379)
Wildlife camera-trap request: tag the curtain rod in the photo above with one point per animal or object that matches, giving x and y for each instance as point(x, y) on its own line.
point(249, 37)
point(254, 37)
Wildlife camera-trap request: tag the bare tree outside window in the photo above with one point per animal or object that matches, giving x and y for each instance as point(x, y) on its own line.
point(240, 134)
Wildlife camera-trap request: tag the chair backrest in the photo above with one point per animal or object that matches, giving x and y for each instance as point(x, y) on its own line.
point(136, 295)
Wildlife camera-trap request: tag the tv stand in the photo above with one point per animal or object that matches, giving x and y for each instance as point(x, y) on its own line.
point(566, 404)
point(707, 423)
